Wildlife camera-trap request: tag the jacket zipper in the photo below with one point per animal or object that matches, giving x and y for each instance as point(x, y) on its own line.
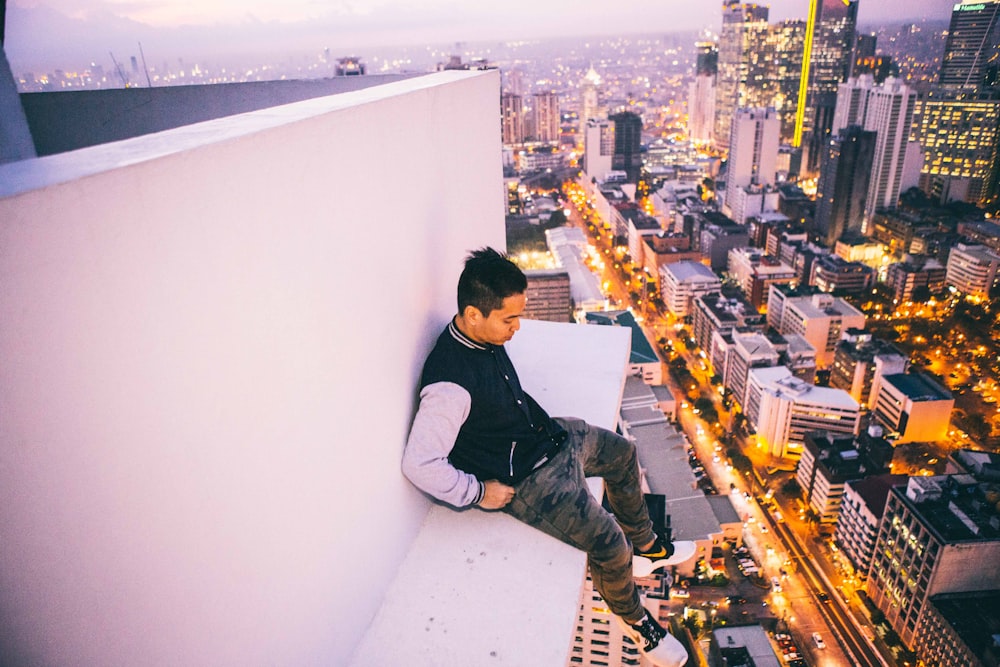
point(512, 446)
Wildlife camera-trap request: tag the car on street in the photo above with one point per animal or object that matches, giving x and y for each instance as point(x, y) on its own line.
point(818, 640)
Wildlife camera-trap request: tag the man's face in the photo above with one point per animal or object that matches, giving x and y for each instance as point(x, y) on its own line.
point(502, 323)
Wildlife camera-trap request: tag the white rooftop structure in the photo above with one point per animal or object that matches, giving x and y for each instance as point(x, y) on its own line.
point(182, 387)
point(569, 247)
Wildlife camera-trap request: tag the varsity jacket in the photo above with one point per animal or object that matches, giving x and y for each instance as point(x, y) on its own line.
point(474, 422)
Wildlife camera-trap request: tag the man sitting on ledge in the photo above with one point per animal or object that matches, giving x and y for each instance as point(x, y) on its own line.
point(479, 439)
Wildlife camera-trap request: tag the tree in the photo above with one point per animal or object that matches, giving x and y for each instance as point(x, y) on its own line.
point(791, 487)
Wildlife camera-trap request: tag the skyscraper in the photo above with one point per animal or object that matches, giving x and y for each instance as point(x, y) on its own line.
point(589, 104)
point(960, 139)
point(753, 151)
point(852, 102)
point(598, 147)
point(776, 79)
point(830, 54)
point(742, 25)
point(511, 119)
point(971, 48)
point(843, 183)
point(628, 144)
point(887, 111)
point(701, 94)
point(545, 113)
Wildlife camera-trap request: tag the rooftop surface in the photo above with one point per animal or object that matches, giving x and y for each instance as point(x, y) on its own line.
point(474, 582)
point(642, 351)
point(956, 510)
point(875, 490)
point(692, 271)
point(780, 379)
point(754, 639)
point(975, 616)
point(918, 387)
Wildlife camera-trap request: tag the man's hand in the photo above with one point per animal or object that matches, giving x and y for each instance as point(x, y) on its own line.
point(496, 495)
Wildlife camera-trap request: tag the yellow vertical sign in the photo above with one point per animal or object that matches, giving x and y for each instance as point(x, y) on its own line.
point(800, 110)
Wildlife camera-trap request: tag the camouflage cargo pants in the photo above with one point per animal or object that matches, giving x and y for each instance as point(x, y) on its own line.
point(556, 500)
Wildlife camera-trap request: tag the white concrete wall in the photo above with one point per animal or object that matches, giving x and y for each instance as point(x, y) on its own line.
point(208, 364)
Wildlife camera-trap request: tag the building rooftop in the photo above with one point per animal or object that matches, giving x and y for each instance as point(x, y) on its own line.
point(975, 617)
point(755, 344)
point(798, 346)
point(918, 387)
point(160, 276)
point(954, 506)
point(822, 305)
point(692, 272)
point(779, 379)
point(751, 637)
point(874, 490)
point(642, 351)
point(723, 508)
point(663, 456)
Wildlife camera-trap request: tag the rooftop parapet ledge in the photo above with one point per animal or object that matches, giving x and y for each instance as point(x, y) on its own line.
point(480, 588)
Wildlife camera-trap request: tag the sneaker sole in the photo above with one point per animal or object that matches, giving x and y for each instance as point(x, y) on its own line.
point(643, 567)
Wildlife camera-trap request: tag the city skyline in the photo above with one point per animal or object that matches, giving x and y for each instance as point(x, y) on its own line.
point(47, 34)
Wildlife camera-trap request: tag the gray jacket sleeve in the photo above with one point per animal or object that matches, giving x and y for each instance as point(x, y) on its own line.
point(444, 407)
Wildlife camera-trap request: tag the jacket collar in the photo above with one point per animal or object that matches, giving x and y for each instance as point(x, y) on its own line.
point(463, 339)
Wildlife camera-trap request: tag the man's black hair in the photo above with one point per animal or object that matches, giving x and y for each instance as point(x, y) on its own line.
point(489, 277)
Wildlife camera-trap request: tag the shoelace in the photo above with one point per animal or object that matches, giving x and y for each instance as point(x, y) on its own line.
point(650, 633)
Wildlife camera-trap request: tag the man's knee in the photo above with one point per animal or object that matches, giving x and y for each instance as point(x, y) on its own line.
point(611, 548)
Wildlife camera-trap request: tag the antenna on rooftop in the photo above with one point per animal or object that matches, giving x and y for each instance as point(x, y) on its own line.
point(144, 68)
point(118, 68)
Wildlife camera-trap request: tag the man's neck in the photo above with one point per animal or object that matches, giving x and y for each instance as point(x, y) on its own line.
point(463, 327)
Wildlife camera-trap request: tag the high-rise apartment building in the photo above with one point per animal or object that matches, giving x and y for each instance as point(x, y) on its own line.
point(628, 144)
point(545, 112)
point(753, 151)
point(742, 27)
point(549, 296)
point(598, 147)
point(889, 115)
point(938, 535)
point(861, 510)
point(512, 119)
point(973, 269)
point(860, 361)
point(960, 137)
point(821, 319)
point(970, 50)
point(589, 96)
point(701, 94)
point(777, 72)
point(755, 272)
point(783, 409)
point(843, 184)
point(852, 102)
point(828, 462)
point(887, 110)
point(683, 281)
point(912, 407)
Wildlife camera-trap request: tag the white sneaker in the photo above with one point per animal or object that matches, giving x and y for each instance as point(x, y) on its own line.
point(659, 646)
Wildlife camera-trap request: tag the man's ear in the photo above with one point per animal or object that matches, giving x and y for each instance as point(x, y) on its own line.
point(472, 315)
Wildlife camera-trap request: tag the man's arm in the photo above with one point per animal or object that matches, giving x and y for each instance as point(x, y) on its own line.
point(444, 407)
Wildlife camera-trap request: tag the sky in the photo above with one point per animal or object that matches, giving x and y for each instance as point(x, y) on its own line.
point(54, 30)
